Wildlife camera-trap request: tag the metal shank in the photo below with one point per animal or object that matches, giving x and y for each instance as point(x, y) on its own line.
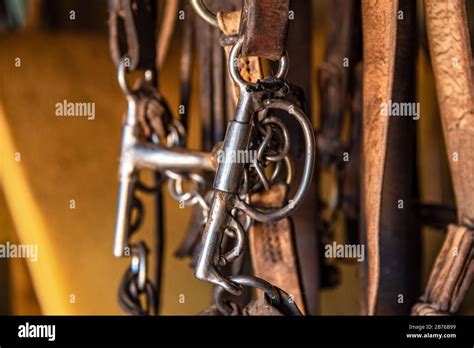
point(137, 155)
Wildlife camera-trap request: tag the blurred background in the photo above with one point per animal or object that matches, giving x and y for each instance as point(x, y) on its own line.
point(46, 163)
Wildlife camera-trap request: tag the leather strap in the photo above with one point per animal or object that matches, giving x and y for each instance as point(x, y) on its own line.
point(305, 219)
point(451, 59)
point(333, 79)
point(264, 28)
point(341, 66)
point(166, 29)
point(250, 67)
point(186, 66)
point(132, 25)
point(379, 21)
point(272, 247)
point(400, 239)
point(451, 276)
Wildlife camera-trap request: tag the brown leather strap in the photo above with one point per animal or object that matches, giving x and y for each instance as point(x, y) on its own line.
point(451, 276)
point(305, 219)
point(451, 59)
point(132, 26)
point(333, 79)
point(341, 66)
point(379, 20)
point(166, 29)
point(264, 28)
point(452, 64)
point(249, 67)
point(186, 66)
point(272, 247)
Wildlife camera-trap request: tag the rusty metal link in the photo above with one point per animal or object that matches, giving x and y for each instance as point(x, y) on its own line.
point(273, 149)
point(149, 131)
point(274, 296)
point(199, 187)
point(137, 295)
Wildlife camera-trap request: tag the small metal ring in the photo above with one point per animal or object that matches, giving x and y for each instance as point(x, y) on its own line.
point(245, 280)
point(308, 133)
point(176, 135)
point(234, 68)
point(138, 265)
point(204, 12)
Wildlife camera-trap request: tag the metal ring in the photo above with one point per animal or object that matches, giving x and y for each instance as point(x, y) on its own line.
point(245, 280)
point(121, 76)
point(138, 265)
point(129, 296)
point(308, 133)
point(289, 169)
point(234, 68)
point(176, 135)
point(204, 12)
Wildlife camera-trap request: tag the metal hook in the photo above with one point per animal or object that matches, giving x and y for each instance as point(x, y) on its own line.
point(121, 76)
point(204, 12)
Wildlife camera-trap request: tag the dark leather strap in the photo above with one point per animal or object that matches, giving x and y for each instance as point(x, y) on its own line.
point(339, 79)
point(264, 27)
point(333, 79)
point(400, 239)
point(305, 220)
point(132, 26)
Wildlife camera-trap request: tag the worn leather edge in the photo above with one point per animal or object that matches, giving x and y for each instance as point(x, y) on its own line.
point(272, 247)
point(451, 59)
point(379, 22)
point(451, 275)
point(264, 28)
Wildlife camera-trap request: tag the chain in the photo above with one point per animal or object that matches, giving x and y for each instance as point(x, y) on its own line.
point(198, 186)
point(137, 295)
point(150, 115)
point(273, 145)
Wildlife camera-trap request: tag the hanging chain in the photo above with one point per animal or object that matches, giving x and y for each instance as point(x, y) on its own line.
point(137, 295)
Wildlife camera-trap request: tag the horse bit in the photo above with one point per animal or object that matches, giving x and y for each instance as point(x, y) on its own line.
point(153, 139)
